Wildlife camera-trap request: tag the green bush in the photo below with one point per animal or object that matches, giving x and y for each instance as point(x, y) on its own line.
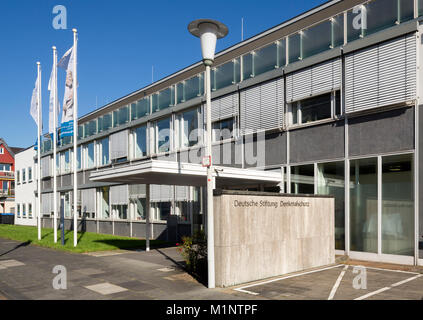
point(194, 251)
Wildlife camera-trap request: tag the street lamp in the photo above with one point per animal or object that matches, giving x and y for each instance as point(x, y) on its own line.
point(209, 31)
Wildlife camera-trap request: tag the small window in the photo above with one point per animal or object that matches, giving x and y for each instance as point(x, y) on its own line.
point(18, 177)
point(29, 210)
point(317, 108)
point(29, 174)
point(23, 176)
point(1, 150)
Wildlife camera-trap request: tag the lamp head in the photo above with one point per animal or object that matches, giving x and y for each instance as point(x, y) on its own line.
point(208, 31)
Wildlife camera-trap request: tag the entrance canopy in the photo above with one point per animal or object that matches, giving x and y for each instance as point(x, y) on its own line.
point(161, 172)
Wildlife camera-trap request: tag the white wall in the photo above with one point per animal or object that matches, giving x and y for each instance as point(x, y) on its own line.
point(24, 191)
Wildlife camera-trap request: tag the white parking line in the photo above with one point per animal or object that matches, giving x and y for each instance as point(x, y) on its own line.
point(241, 289)
point(388, 288)
point(337, 283)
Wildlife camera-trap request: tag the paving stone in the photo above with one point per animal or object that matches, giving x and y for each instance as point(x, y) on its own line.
point(106, 288)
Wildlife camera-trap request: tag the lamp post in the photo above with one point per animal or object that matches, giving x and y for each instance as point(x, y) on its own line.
point(209, 31)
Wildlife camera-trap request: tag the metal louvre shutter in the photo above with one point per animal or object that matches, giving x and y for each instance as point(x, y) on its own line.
point(262, 106)
point(88, 200)
point(46, 203)
point(381, 75)
point(315, 80)
point(119, 145)
point(119, 195)
point(181, 193)
point(137, 191)
point(224, 107)
point(161, 193)
point(45, 167)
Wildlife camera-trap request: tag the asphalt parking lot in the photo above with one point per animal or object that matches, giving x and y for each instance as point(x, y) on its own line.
point(26, 273)
point(340, 282)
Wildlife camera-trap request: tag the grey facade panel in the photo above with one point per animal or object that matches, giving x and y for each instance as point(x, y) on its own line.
point(138, 230)
point(225, 154)
point(275, 148)
point(67, 180)
point(389, 131)
point(315, 143)
point(160, 232)
point(122, 229)
point(105, 227)
point(420, 182)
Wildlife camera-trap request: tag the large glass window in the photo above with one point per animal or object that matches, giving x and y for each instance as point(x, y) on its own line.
point(90, 128)
point(105, 122)
point(302, 179)
point(163, 135)
point(140, 141)
point(80, 132)
point(104, 202)
point(78, 158)
point(281, 51)
point(140, 108)
point(120, 211)
point(140, 206)
point(406, 10)
point(163, 99)
point(104, 151)
point(247, 66)
point(364, 205)
point(65, 166)
point(189, 128)
point(161, 210)
point(225, 75)
point(317, 39)
point(338, 31)
point(331, 181)
point(398, 205)
point(354, 23)
point(420, 12)
point(294, 48)
point(265, 59)
point(381, 14)
point(190, 89)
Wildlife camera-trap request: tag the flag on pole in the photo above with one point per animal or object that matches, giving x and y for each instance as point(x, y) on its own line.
point(34, 102)
point(67, 63)
point(51, 125)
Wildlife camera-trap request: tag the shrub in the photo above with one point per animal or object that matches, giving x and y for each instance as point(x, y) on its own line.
point(194, 251)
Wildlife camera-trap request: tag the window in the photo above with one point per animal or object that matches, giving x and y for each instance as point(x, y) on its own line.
point(23, 210)
point(191, 88)
point(80, 132)
point(316, 39)
point(163, 99)
point(398, 205)
point(104, 205)
point(331, 181)
point(223, 130)
point(120, 211)
point(140, 206)
point(188, 129)
point(29, 174)
point(18, 209)
point(140, 108)
point(161, 210)
point(163, 135)
point(120, 116)
point(363, 205)
point(79, 158)
point(18, 179)
point(104, 152)
point(89, 155)
point(2, 150)
point(23, 175)
point(29, 210)
point(302, 179)
point(140, 137)
point(65, 165)
point(294, 48)
point(225, 75)
point(182, 210)
point(316, 108)
point(90, 128)
point(105, 122)
point(5, 167)
point(338, 31)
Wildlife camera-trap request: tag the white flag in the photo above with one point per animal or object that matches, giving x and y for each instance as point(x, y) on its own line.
point(67, 63)
point(51, 125)
point(34, 102)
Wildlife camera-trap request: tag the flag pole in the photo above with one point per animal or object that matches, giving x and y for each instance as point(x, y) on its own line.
point(75, 137)
point(39, 149)
point(55, 141)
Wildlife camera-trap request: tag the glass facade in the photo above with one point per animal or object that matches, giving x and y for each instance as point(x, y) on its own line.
point(104, 152)
point(89, 156)
point(265, 59)
point(331, 181)
point(398, 205)
point(364, 205)
point(189, 134)
point(190, 89)
point(105, 202)
point(225, 75)
point(222, 130)
point(140, 109)
point(90, 128)
point(294, 48)
point(317, 39)
point(302, 179)
point(163, 99)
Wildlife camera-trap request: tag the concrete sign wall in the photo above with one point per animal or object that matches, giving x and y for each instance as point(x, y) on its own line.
point(261, 235)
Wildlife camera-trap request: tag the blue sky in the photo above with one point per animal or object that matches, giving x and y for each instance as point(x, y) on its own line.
point(119, 42)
